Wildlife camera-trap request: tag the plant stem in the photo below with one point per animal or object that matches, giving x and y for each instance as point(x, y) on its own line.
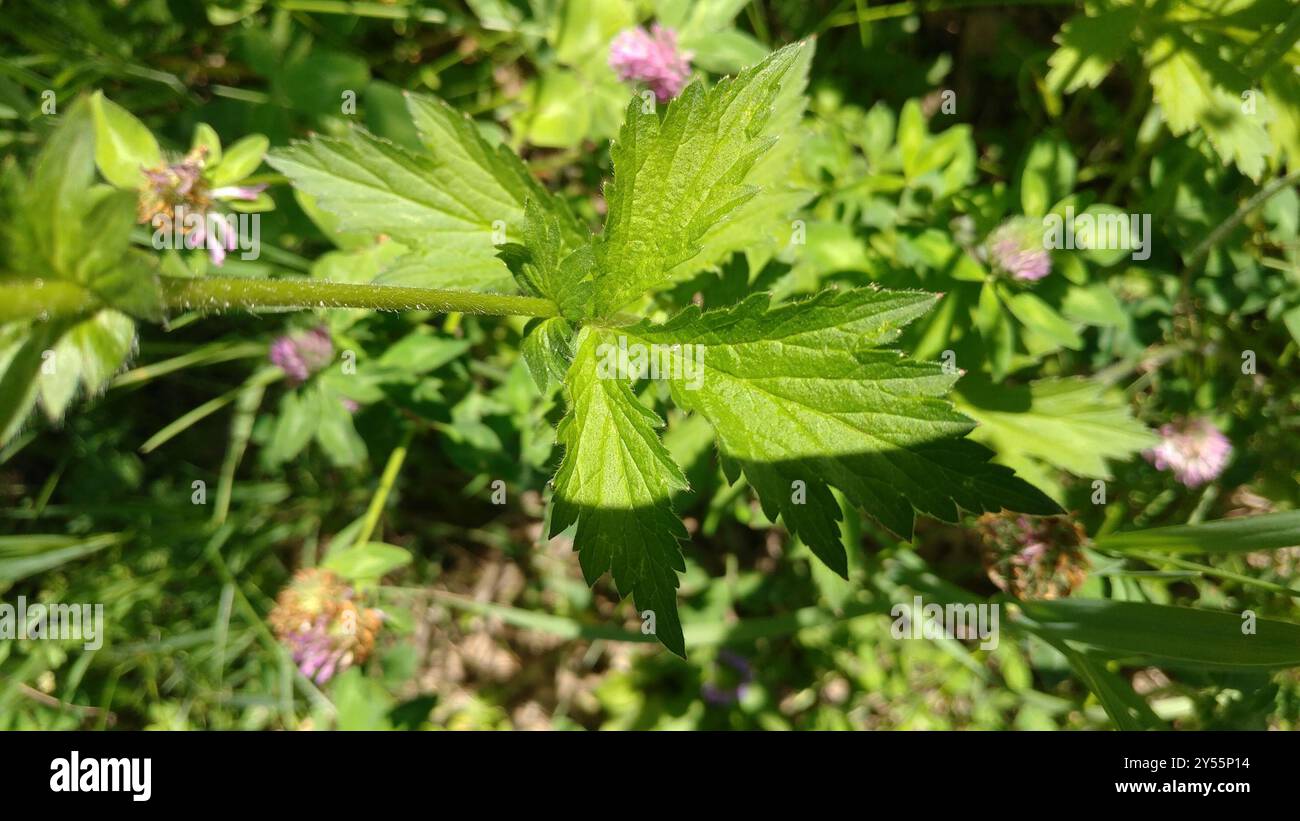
point(44, 299)
point(362, 9)
point(1216, 236)
point(1208, 570)
point(37, 299)
point(386, 481)
point(220, 294)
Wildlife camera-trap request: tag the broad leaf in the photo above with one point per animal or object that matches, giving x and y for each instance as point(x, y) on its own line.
point(551, 261)
point(803, 399)
point(677, 178)
point(1197, 89)
point(763, 224)
point(367, 562)
point(615, 483)
point(65, 227)
point(448, 205)
point(1089, 47)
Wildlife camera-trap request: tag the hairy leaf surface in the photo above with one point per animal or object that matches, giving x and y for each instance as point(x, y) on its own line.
point(445, 205)
point(616, 482)
point(802, 393)
point(677, 179)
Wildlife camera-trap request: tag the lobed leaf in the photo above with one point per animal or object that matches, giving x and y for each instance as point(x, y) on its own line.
point(677, 179)
point(446, 205)
point(615, 483)
point(803, 393)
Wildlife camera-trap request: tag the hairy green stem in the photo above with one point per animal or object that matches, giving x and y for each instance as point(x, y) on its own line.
point(33, 299)
point(219, 294)
point(44, 299)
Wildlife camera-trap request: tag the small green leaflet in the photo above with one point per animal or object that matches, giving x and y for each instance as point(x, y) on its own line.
point(445, 205)
point(548, 350)
point(1070, 424)
point(616, 482)
point(679, 178)
point(551, 261)
point(802, 399)
point(1089, 47)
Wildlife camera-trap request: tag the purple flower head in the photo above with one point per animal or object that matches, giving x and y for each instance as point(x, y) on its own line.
point(651, 58)
point(215, 232)
point(174, 188)
point(1033, 557)
point(315, 653)
point(318, 619)
point(302, 354)
point(1194, 449)
point(1015, 247)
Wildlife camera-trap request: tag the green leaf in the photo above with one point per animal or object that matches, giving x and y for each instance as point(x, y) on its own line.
point(88, 354)
point(1246, 534)
point(335, 432)
point(1125, 707)
point(912, 136)
point(560, 115)
point(64, 226)
point(367, 562)
point(698, 18)
point(1197, 89)
point(206, 137)
point(762, 226)
point(553, 261)
point(615, 482)
point(22, 352)
point(1282, 98)
point(1292, 321)
point(1047, 175)
point(445, 205)
point(240, 160)
point(360, 702)
point(678, 177)
point(124, 146)
point(548, 351)
point(50, 361)
point(587, 26)
point(1070, 424)
point(1095, 304)
point(46, 234)
point(803, 393)
point(1205, 638)
point(1089, 47)
point(294, 426)
point(724, 52)
point(421, 352)
point(1040, 318)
